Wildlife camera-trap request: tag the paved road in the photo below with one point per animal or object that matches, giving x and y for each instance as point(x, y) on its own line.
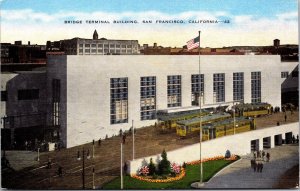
point(240, 175)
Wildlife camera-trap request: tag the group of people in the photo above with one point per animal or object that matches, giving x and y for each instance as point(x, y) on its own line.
point(258, 158)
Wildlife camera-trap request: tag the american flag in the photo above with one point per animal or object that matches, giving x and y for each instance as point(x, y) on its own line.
point(194, 43)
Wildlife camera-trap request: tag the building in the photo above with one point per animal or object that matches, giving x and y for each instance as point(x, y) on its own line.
point(94, 46)
point(73, 102)
point(96, 100)
point(22, 53)
point(23, 107)
point(160, 50)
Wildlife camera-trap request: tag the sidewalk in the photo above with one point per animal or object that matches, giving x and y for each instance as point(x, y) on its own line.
point(240, 175)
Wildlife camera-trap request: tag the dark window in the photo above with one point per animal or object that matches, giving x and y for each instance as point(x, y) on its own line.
point(284, 74)
point(28, 94)
point(3, 95)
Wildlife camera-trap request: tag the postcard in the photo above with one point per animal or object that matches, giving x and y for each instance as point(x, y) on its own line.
point(149, 94)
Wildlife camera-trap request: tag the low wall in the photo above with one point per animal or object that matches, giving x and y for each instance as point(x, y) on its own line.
point(239, 144)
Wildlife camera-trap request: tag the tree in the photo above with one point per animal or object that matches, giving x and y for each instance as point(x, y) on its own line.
point(164, 165)
point(151, 167)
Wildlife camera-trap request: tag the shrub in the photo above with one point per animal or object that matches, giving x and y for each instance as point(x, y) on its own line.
point(227, 154)
point(184, 165)
point(144, 171)
point(154, 176)
point(151, 167)
point(175, 168)
point(164, 165)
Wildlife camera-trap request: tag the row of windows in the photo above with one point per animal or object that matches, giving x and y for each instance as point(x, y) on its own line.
point(119, 93)
point(106, 46)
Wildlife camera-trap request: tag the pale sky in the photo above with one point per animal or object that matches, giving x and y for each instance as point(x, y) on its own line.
point(254, 22)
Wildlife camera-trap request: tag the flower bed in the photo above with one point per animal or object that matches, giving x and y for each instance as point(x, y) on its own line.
point(144, 170)
point(168, 179)
point(233, 157)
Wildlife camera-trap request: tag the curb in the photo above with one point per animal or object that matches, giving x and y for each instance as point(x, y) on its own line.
point(223, 169)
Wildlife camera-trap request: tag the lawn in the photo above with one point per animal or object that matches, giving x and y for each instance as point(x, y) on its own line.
point(192, 175)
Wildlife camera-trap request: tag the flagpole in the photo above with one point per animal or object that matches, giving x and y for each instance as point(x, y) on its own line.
point(201, 166)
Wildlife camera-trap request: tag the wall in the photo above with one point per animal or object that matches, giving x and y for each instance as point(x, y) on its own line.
point(88, 86)
point(5, 77)
point(56, 69)
point(12, 82)
point(239, 144)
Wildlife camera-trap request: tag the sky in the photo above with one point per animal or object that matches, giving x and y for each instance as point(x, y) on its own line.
point(252, 22)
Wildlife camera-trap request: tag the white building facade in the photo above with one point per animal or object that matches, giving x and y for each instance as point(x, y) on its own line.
point(91, 97)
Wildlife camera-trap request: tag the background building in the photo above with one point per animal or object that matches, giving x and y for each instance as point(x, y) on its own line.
point(95, 46)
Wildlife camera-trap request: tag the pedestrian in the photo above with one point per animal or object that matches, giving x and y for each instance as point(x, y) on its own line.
point(258, 167)
point(254, 165)
point(278, 123)
point(293, 139)
point(261, 166)
point(297, 139)
point(124, 138)
point(268, 157)
point(99, 142)
point(252, 162)
point(59, 171)
point(285, 117)
point(255, 154)
point(49, 163)
point(263, 155)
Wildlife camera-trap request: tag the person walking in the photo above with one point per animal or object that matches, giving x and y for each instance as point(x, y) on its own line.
point(254, 165)
point(263, 155)
point(261, 167)
point(99, 142)
point(49, 163)
point(59, 171)
point(285, 117)
point(268, 157)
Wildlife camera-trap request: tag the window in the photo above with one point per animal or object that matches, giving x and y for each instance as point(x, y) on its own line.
point(87, 50)
point(219, 87)
point(28, 94)
point(100, 46)
point(94, 51)
point(106, 46)
point(93, 45)
point(148, 98)
point(87, 45)
point(55, 101)
point(255, 87)
point(238, 86)
point(118, 100)
point(129, 46)
point(284, 74)
point(80, 45)
point(80, 51)
point(196, 86)
point(3, 95)
point(174, 91)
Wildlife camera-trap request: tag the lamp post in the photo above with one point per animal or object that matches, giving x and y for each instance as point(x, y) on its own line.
point(233, 110)
point(121, 168)
point(132, 141)
point(83, 164)
point(93, 148)
point(38, 154)
point(93, 178)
